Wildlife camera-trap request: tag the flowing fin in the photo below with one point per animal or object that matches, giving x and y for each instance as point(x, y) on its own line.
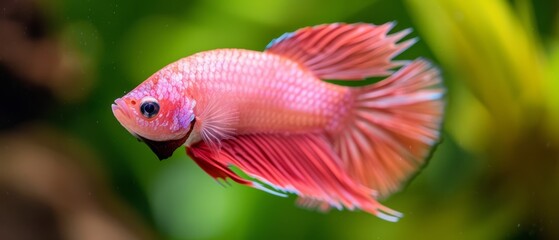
point(203, 154)
point(303, 164)
point(393, 126)
point(215, 121)
point(343, 51)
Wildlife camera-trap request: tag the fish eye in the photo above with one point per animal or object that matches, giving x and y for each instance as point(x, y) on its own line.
point(149, 107)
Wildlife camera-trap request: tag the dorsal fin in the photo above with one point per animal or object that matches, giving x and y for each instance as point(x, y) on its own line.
point(343, 51)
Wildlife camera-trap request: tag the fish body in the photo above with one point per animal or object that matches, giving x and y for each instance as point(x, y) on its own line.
point(272, 115)
point(287, 99)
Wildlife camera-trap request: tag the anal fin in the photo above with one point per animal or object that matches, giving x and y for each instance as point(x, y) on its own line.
point(304, 164)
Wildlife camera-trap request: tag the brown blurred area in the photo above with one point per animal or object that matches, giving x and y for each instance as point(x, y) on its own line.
point(33, 56)
point(50, 186)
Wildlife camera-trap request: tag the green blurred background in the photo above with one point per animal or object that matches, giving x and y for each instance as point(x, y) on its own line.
point(68, 170)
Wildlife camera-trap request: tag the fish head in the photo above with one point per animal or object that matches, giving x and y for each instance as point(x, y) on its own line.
point(158, 113)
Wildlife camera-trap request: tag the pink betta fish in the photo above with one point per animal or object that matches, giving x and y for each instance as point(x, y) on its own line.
point(272, 115)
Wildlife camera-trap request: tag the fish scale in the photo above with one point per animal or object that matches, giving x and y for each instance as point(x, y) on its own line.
point(267, 98)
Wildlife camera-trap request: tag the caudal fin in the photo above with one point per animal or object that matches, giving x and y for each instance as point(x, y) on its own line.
point(395, 122)
point(343, 51)
point(393, 125)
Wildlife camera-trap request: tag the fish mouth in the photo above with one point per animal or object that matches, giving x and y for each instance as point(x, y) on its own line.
point(123, 115)
point(120, 109)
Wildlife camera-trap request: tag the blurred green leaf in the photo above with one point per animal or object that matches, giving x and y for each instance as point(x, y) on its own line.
point(485, 46)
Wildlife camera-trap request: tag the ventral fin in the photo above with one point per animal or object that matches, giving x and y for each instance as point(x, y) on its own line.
point(343, 51)
point(304, 164)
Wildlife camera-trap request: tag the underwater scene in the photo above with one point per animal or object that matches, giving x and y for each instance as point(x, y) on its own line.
point(284, 119)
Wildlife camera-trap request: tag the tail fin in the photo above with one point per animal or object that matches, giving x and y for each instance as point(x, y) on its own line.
point(343, 51)
point(394, 122)
point(393, 125)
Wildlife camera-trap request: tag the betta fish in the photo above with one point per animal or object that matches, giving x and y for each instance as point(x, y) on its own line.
point(273, 116)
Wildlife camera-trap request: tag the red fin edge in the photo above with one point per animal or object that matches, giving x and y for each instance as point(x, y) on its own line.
point(343, 51)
